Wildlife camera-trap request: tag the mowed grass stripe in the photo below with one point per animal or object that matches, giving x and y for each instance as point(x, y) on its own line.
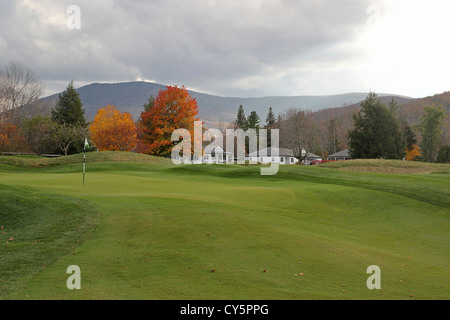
point(164, 229)
point(37, 230)
point(154, 243)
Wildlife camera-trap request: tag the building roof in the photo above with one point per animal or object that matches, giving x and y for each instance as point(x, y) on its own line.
point(312, 155)
point(219, 149)
point(283, 152)
point(341, 154)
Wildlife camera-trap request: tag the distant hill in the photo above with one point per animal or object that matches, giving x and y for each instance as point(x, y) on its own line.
point(131, 96)
point(412, 109)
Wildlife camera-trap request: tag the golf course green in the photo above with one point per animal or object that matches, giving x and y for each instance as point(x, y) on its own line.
point(143, 228)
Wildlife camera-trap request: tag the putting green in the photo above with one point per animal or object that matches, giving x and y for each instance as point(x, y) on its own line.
point(174, 234)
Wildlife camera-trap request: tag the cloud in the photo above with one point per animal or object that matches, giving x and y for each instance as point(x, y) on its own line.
point(227, 47)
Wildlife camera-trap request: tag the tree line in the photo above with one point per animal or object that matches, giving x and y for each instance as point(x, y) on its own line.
point(25, 128)
point(378, 130)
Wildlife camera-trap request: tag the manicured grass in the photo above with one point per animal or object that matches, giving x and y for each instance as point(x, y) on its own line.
point(36, 230)
point(106, 156)
point(388, 166)
point(225, 232)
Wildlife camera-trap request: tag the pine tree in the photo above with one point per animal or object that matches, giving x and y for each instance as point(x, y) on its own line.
point(241, 119)
point(253, 121)
point(409, 137)
point(270, 119)
point(444, 154)
point(393, 105)
point(376, 132)
point(150, 103)
point(69, 108)
point(270, 124)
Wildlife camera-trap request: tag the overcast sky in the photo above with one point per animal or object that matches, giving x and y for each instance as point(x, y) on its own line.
point(241, 48)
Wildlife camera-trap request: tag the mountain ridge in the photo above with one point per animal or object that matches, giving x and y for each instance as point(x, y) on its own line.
point(131, 96)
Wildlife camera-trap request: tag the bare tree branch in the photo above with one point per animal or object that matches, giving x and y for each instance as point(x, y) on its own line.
point(19, 89)
point(296, 131)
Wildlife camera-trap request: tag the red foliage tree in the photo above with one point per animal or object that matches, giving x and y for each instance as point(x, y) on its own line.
point(11, 139)
point(172, 109)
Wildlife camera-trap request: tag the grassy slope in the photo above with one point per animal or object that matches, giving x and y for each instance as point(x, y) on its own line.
point(105, 156)
point(388, 166)
point(36, 230)
point(163, 229)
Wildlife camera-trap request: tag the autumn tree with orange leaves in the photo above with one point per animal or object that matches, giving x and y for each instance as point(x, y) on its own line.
point(113, 130)
point(10, 138)
point(172, 109)
point(414, 153)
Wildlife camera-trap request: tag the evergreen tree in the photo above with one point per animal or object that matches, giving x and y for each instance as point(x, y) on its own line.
point(409, 137)
point(147, 107)
point(392, 105)
point(69, 108)
point(150, 103)
point(270, 124)
point(376, 132)
point(253, 121)
point(444, 154)
point(142, 124)
point(430, 127)
point(241, 119)
point(270, 119)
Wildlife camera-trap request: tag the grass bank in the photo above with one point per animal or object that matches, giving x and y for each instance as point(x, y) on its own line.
point(226, 232)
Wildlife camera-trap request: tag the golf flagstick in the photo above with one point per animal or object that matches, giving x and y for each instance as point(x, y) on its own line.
point(84, 157)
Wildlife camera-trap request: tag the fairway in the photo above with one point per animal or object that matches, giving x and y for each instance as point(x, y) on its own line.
point(147, 229)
